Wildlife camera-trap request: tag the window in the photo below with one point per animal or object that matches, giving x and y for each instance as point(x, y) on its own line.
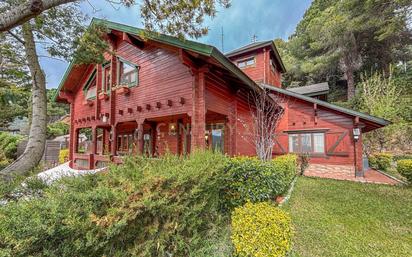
point(128, 74)
point(246, 62)
point(90, 87)
point(106, 78)
point(215, 137)
point(125, 143)
point(307, 143)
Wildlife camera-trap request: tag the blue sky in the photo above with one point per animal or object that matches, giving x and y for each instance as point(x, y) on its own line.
point(267, 19)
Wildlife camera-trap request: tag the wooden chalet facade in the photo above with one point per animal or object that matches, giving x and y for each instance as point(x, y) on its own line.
point(161, 94)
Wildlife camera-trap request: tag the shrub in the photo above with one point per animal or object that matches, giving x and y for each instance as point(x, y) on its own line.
point(303, 161)
point(250, 179)
point(405, 169)
point(261, 229)
point(145, 207)
point(57, 129)
point(63, 155)
point(381, 161)
point(8, 144)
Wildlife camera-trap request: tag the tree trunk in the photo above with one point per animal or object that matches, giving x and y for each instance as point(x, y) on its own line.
point(351, 83)
point(37, 137)
point(24, 12)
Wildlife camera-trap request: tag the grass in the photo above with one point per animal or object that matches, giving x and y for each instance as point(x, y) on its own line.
point(340, 218)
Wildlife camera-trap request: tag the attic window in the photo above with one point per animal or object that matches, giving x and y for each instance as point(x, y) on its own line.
point(128, 74)
point(246, 62)
point(273, 65)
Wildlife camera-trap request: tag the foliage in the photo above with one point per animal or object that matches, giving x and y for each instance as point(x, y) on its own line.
point(146, 207)
point(261, 229)
point(381, 96)
point(405, 168)
point(381, 161)
point(57, 129)
point(346, 37)
point(13, 102)
point(8, 144)
point(250, 179)
point(303, 161)
point(343, 218)
point(63, 155)
point(55, 110)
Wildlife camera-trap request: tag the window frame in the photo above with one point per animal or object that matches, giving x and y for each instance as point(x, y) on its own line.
point(90, 79)
point(118, 75)
point(312, 142)
point(105, 88)
point(245, 60)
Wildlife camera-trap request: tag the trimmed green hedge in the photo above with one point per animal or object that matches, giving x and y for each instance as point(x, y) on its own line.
point(405, 168)
point(381, 161)
point(250, 179)
point(261, 229)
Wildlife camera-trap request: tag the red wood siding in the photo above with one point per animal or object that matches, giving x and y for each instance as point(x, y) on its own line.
point(261, 71)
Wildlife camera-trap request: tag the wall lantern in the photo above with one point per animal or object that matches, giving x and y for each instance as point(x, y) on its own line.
point(356, 134)
point(104, 118)
point(172, 129)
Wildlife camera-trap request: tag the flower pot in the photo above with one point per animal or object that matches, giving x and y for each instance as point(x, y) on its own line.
point(122, 90)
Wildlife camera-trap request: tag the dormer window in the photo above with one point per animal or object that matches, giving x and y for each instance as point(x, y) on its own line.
point(246, 62)
point(128, 74)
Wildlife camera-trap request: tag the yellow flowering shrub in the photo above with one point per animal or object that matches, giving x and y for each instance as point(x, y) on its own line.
point(63, 156)
point(261, 230)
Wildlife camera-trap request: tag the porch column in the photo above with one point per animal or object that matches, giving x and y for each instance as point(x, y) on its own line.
point(140, 142)
point(113, 149)
point(73, 137)
point(198, 118)
point(232, 123)
point(94, 140)
point(358, 147)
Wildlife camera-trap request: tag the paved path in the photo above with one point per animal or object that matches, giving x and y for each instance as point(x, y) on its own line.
point(61, 171)
point(346, 172)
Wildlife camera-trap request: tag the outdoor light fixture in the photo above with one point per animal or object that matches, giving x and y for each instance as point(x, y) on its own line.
point(104, 118)
point(356, 133)
point(172, 129)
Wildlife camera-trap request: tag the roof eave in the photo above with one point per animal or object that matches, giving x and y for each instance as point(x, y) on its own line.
point(379, 121)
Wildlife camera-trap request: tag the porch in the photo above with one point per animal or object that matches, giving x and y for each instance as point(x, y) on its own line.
point(97, 146)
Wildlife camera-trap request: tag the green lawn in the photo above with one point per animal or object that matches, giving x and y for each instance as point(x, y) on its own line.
point(339, 218)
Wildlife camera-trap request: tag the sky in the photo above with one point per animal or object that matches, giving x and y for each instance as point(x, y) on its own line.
point(267, 19)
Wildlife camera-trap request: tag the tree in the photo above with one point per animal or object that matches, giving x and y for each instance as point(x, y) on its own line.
point(381, 96)
point(56, 29)
point(176, 17)
point(347, 37)
point(265, 113)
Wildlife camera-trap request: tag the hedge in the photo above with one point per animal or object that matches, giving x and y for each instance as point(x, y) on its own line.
point(250, 179)
point(261, 229)
point(145, 207)
point(404, 167)
point(381, 161)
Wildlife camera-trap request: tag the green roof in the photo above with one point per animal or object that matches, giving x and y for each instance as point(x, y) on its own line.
point(203, 49)
point(362, 115)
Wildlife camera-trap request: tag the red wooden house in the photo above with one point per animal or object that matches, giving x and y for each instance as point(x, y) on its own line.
point(159, 93)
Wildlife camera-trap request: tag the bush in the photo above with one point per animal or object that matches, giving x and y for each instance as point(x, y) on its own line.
point(57, 129)
point(8, 145)
point(63, 155)
point(381, 161)
point(250, 179)
point(405, 169)
point(261, 230)
point(145, 207)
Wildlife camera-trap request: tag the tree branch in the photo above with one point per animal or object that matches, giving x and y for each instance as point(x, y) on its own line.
point(16, 37)
point(24, 12)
